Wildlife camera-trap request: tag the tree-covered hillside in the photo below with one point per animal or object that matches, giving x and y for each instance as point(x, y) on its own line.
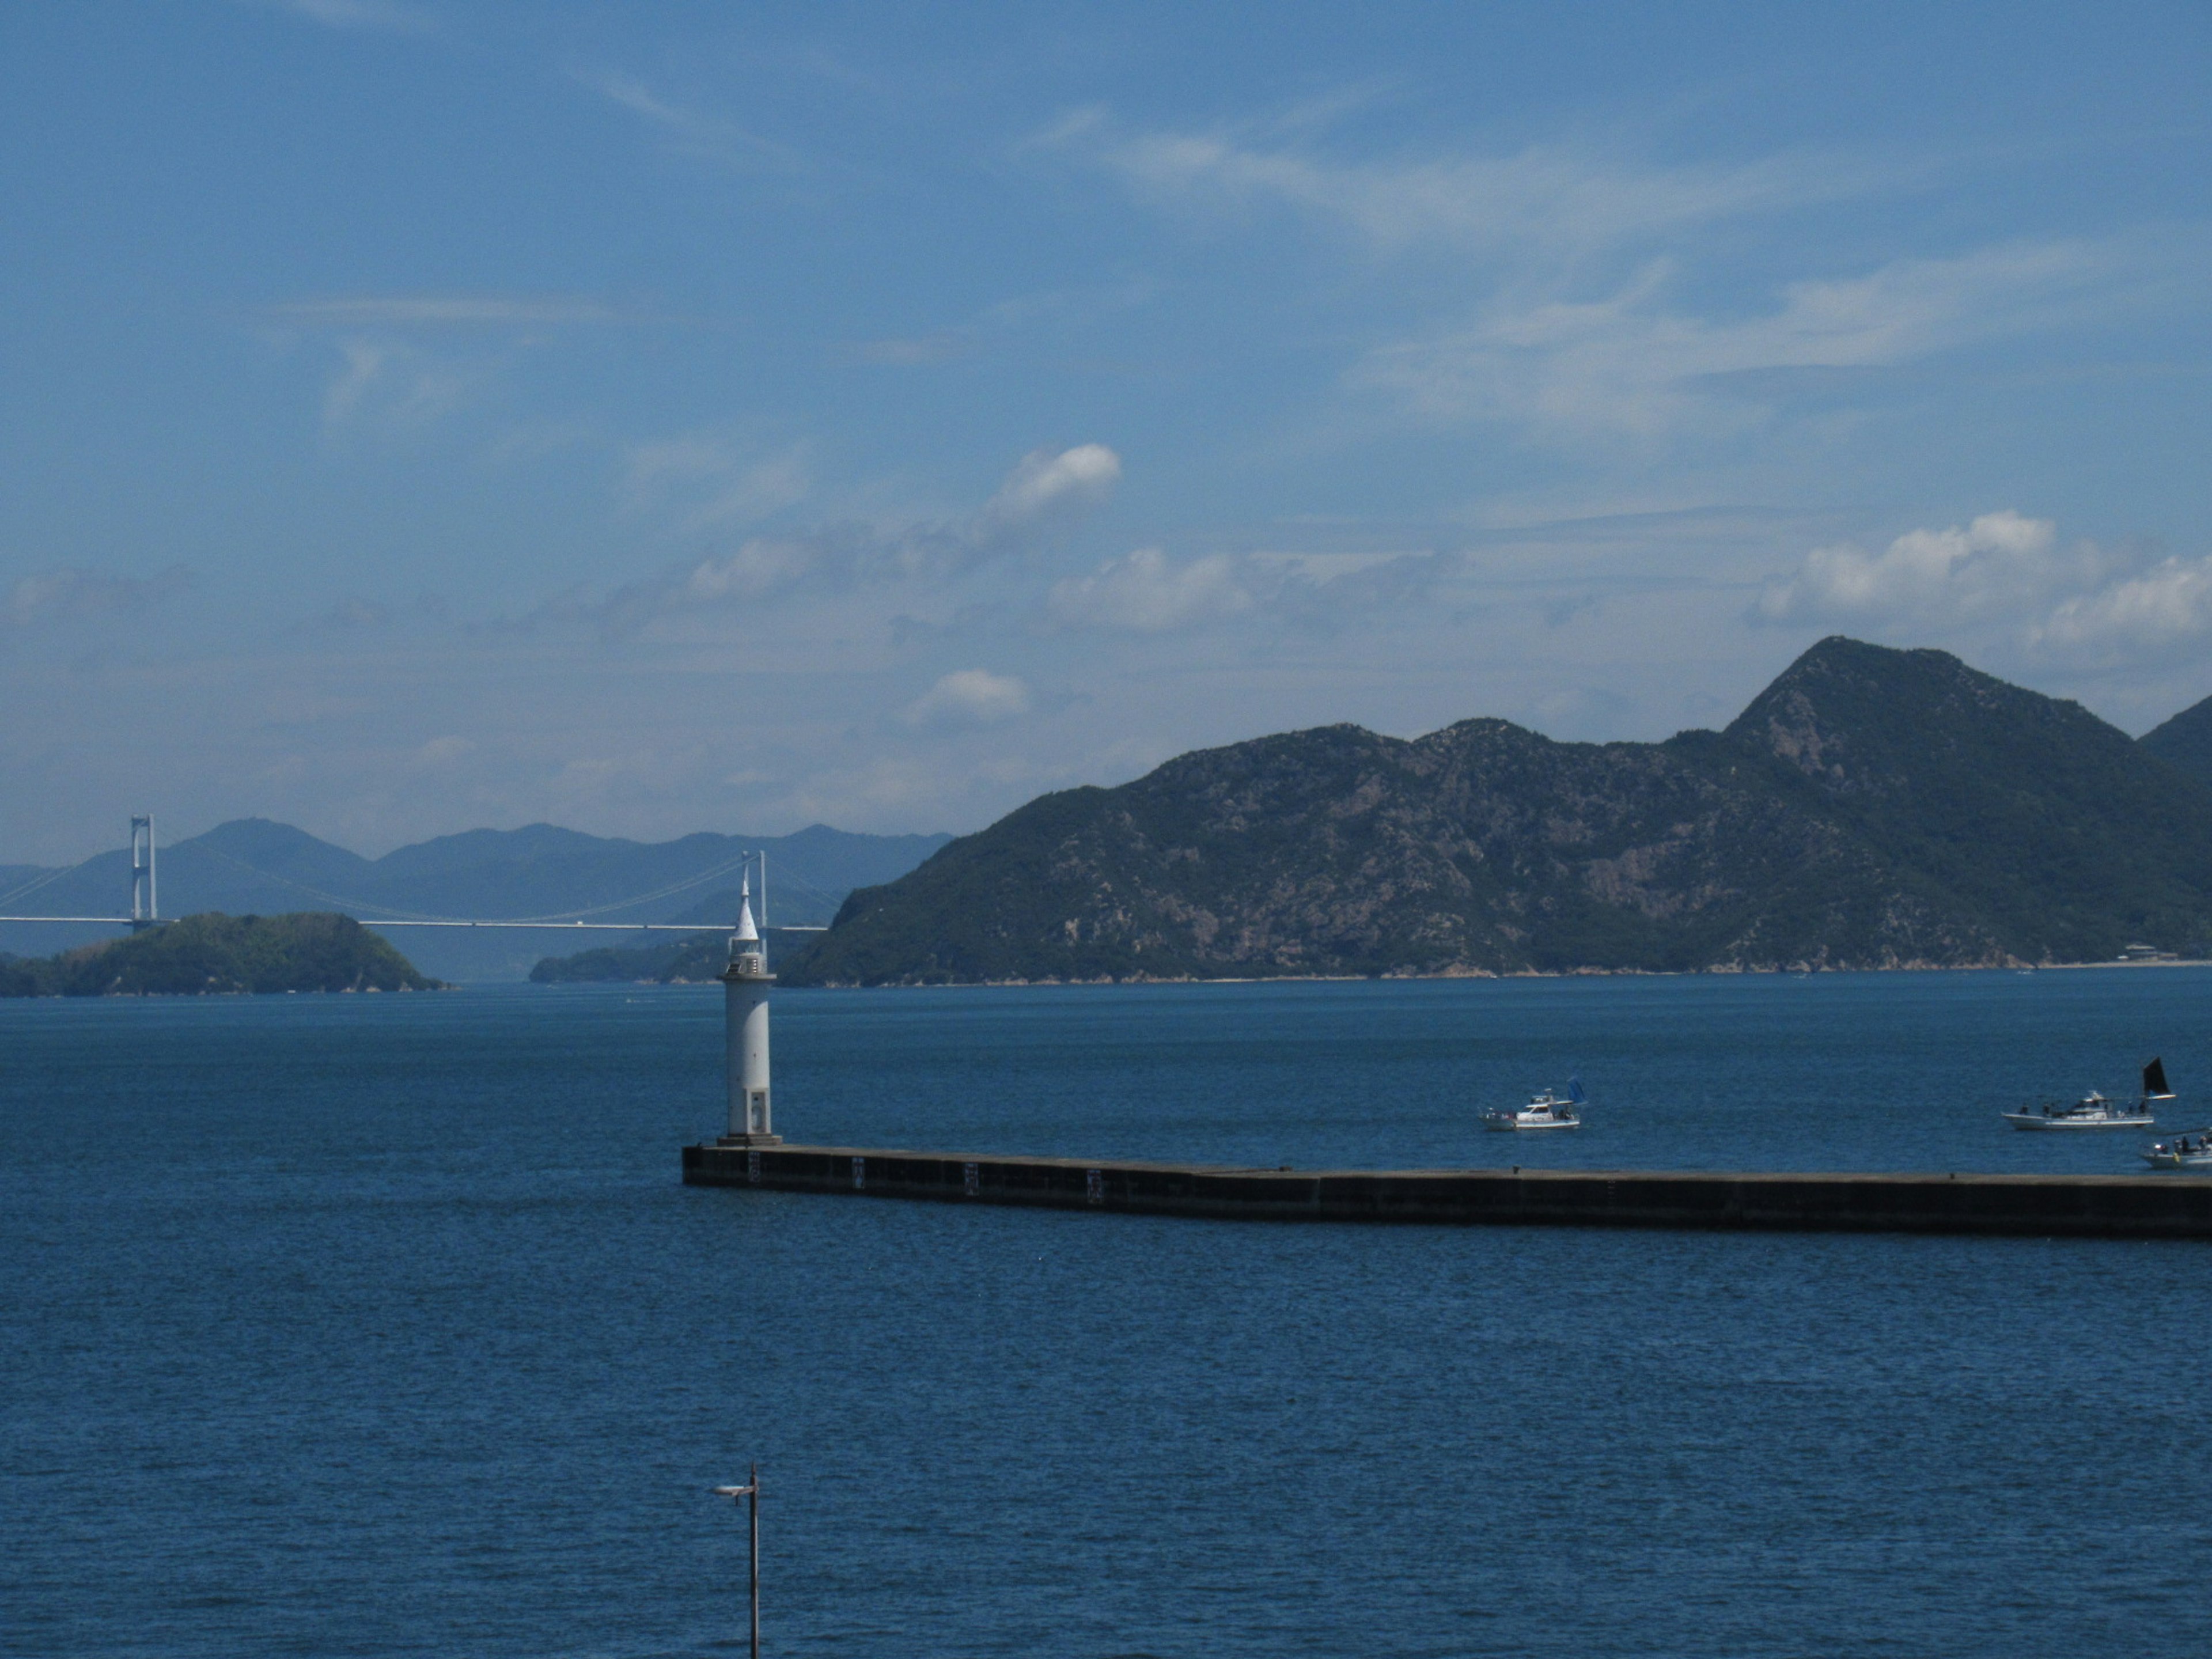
point(691, 960)
point(214, 954)
point(2185, 741)
point(1872, 808)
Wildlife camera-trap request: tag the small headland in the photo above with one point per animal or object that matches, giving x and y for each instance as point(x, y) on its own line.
point(217, 955)
point(693, 960)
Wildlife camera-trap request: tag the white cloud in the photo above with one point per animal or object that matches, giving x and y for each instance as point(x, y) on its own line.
point(2000, 564)
point(2010, 573)
point(1046, 490)
point(970, 697)
point(2168, 605)
point(1146, 592)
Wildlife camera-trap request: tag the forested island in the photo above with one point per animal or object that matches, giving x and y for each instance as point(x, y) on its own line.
point(700, 956)
point(213, 954)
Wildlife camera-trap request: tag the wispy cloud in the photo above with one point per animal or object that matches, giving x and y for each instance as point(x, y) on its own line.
point(693, 132)
point(67, 593)
point(1146, 592)
point(466, 310)
point(368, 16)
point(1058, 314)
point(1042, 500)
point(716, 479)
point(1546, 202)
point(1637, 360)
point(355, 614)
point(392, 386)
point(921, 351)
point(1588, 297)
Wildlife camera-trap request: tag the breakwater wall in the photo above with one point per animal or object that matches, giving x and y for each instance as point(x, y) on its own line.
point(2094, 1207)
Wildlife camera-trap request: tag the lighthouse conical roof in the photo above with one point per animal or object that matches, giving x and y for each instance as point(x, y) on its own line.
point(746, 934)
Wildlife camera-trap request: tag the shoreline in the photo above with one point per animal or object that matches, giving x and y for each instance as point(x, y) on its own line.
point(1523, 973)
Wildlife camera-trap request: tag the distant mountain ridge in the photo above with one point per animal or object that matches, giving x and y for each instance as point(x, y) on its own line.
point(258, 866)
point(1871, 808)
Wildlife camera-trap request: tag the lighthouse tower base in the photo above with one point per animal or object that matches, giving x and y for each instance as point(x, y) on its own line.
point(750, 1140)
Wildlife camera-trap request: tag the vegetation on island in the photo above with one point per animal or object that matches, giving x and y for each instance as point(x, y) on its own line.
point(697, 957)
point(2185, 741)
point(691, 960)
point(1873, 808)
point(213, 954)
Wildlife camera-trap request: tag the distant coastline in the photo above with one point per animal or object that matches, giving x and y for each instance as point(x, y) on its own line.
point(1345, 979)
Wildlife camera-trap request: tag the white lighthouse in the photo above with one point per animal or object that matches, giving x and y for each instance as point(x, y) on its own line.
point(745, 991)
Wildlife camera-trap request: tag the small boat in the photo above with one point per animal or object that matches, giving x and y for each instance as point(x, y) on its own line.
point(2094, 1111)
point(2182, 1152)
point(1544, 1110)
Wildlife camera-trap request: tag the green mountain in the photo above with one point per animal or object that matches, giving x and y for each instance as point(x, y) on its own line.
point(214, 954)
point(2185, 741)
point(1871, 808)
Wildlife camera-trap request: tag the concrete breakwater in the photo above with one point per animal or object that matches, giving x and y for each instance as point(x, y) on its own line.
point(2094, 1207)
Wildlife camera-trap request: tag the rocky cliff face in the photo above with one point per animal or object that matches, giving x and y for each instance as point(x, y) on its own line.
point(1872, 808)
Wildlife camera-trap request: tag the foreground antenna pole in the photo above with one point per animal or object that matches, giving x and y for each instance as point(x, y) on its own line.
point(751, 1492)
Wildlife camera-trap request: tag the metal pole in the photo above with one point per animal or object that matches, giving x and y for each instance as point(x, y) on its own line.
point(751, 1492)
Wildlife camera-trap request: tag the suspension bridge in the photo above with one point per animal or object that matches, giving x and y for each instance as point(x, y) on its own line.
point(145, 898)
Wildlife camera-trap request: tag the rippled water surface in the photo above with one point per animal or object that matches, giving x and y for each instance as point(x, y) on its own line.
point(382, 1326)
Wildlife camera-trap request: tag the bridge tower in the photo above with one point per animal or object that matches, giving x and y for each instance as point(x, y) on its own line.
point(145, 905)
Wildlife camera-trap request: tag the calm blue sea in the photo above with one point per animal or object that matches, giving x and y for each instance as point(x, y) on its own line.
point(382, 1326)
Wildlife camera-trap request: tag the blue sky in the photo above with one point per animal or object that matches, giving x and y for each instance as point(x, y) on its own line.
point(420, 414)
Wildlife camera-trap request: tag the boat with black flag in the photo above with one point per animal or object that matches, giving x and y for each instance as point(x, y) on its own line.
point(2094, 1111)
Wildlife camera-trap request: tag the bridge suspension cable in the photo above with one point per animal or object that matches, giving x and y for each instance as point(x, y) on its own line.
point(399, 918)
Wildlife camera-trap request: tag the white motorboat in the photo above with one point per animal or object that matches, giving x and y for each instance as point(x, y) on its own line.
point(2182, 1152)
point(1544, 1110)
point(2094, 1111)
